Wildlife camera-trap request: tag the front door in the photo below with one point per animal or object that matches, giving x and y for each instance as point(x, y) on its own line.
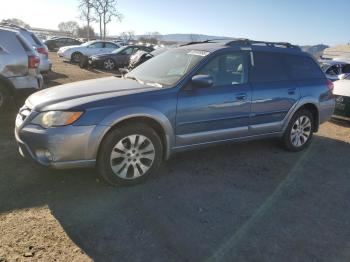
point(219, 112)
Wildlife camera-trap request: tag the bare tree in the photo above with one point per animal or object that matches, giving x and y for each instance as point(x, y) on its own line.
point(70, 27)
point(106, 10)
point(86, 7)
point(127, 36)
point(151, 38)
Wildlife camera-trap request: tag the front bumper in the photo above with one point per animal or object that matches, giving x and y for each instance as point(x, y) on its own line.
point(95, 63)
point(59, 147)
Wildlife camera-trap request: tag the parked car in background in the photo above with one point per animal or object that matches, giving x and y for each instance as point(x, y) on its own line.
point(342, 97)
point(19, 67)
point(56, 43)
point(142, 56)
point(186, 98)
point(74, 53)
point(335, 69)
point(118, 58)
point(45, 63)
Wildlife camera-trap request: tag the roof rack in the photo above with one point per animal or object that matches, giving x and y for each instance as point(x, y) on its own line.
point(250, 43)
point(205, 41)
point(10, 25)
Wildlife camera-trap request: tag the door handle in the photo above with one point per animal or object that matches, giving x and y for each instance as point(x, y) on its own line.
point(291, 91)
point(241, 96)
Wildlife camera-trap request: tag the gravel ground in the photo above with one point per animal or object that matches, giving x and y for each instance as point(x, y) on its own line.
point(240, 202)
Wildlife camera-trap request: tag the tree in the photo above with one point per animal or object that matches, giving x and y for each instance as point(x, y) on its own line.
point(86, 15)
point(127, 36)
point(16, 21)
point(86, 32)
point(70, 27)
point(106, 10)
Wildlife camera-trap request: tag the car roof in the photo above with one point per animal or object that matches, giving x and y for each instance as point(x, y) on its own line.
point(262, 46)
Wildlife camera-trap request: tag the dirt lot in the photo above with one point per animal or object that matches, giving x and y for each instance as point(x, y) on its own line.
point(240, 202)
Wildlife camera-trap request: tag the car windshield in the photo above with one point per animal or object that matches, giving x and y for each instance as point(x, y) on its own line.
point(168, 68)
point(88, 43)
point(120, 49)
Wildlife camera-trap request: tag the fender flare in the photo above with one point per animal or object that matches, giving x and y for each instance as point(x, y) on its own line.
point(122, 115)
point(303, 101)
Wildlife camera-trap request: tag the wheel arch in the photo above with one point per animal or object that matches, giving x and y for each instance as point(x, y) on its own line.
point(8, 85)
point(159, 122)
point(310, 104)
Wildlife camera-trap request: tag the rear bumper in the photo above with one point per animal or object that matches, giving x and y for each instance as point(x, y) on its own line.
point(27, 82)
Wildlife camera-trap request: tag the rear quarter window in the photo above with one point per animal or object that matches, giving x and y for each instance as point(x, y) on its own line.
point(35, 39)
point(303, 67)
point(23, 43)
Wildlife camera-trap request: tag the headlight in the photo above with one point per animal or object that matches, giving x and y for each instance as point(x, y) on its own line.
point(56, 118)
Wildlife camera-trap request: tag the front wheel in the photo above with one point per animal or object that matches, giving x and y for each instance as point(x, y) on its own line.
point(75, 58)
point(129, 154)
point(108, 64)
point(299, 132)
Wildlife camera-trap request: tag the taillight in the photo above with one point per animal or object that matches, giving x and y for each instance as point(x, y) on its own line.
point(330, 85)
point(33, 62)
point(42, 50)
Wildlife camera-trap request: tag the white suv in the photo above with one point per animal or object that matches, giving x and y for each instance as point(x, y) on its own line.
point(19, 67)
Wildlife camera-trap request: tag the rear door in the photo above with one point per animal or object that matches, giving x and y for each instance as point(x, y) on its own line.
point(110, 47)
point(273, 92)
point(219, 112)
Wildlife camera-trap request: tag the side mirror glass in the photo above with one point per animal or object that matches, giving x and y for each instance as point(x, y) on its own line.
point(201, 81)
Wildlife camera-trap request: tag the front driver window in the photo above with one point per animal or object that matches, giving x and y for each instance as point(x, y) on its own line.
point(226, 69)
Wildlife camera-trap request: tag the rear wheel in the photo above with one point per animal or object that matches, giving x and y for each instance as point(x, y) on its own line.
point(299, 131)
point(129, 154)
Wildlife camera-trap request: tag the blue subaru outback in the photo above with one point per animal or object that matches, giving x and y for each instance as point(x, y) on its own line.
point(196, 95)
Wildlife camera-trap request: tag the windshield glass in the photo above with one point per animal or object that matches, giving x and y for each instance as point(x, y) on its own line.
point(168, 68)
point(120, 49)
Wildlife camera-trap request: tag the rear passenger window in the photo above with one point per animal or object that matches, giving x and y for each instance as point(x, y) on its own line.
point(35, 39)
point(268, 67)
point(303, 67)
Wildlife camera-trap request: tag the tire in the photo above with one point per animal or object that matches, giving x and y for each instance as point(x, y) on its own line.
point(109, 64)
point(76, 56)
point(299, 132)
point(84, 62)
point(119, 162)
point(5, 98)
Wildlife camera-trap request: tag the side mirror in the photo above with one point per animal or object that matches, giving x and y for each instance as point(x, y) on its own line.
point(201, 81)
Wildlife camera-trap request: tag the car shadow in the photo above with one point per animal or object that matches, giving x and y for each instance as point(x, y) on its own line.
point(249, 201)
point(50, 77)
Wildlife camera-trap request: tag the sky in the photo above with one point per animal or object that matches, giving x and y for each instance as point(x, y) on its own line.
point(297, 21)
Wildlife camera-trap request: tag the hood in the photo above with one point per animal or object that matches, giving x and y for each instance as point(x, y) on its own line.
point(342, 87)
point(74, 94)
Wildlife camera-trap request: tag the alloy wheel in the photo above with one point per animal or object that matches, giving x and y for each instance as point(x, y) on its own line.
point(301, 131)
point(132, 157)
point(108, 64)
